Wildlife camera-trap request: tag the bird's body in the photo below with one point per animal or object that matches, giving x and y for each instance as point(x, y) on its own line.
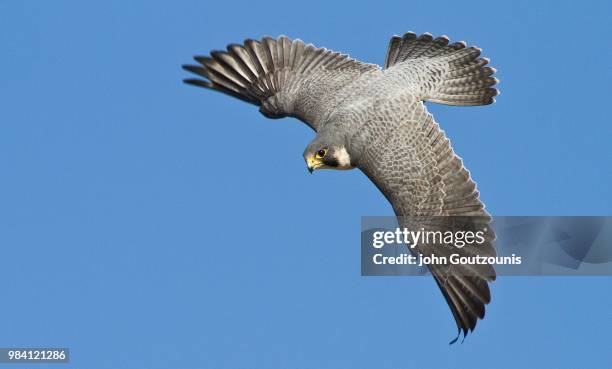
point(374, 119)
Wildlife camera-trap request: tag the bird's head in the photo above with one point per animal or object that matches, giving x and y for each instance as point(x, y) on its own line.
point(326, 152)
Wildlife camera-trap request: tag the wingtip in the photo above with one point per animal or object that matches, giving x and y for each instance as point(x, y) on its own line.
point(201, 59)
point(453, 341)
point(195, 69)
point(197, 82)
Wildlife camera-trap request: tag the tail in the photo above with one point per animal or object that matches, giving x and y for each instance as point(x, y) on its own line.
point(456, 73)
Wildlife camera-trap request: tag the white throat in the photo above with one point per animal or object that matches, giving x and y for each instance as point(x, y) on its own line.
point(343, 158)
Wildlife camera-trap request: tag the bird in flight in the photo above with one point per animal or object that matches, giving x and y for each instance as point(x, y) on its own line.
point(374, 119)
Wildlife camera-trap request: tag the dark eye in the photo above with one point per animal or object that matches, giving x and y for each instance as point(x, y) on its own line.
point(321, 153)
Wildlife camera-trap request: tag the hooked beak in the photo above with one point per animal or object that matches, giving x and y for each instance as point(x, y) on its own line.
point(312, 164)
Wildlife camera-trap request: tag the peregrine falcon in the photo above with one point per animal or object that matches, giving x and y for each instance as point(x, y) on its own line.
point(374, 119)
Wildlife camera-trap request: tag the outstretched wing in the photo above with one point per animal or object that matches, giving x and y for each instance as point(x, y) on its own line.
point(284, 77)
point(416, 169)
point(437, 71)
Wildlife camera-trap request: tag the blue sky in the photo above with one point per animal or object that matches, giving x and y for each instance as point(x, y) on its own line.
point(149, 224)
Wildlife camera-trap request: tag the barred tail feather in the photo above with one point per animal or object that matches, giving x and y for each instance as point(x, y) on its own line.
point(464, 77)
